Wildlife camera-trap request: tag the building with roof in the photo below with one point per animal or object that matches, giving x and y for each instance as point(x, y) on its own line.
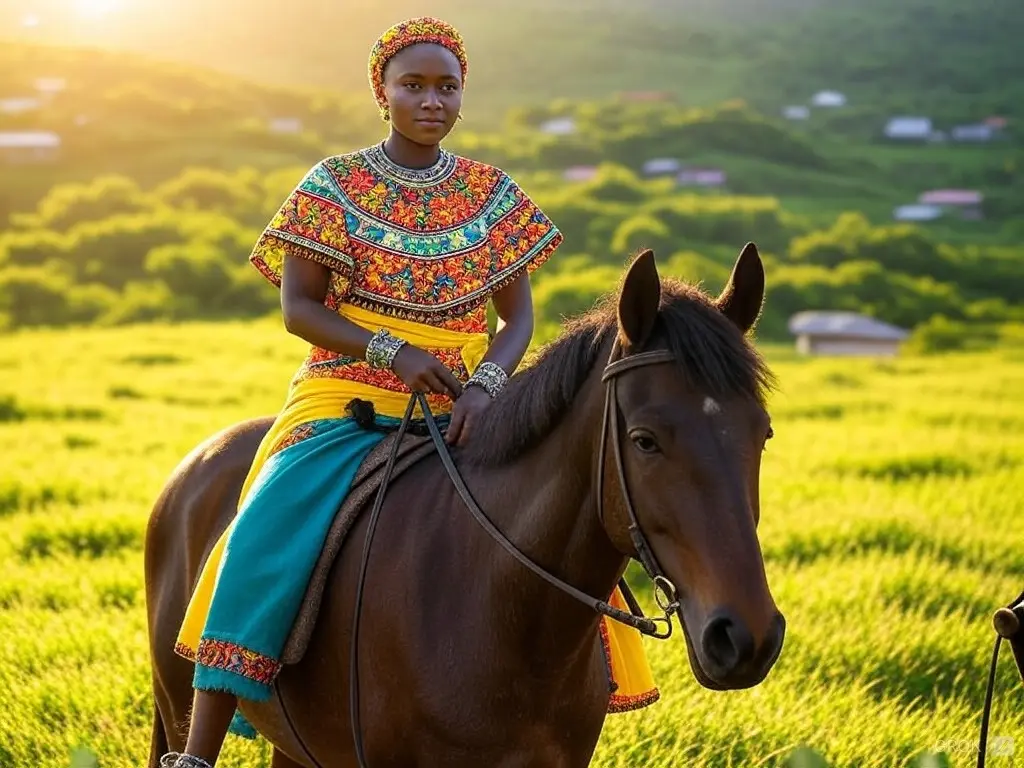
point(909, 128)
point(917, 212)
point(966, 202)
point(29, 146)
point(661, 166)
point(559, 126)
point(701, 177)
point(16, 105)
point(845, 334)
point(828, 99)
point(578, 173)
point(977, 132)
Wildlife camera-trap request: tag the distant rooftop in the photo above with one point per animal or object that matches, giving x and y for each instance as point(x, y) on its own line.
point(845, 324)
point(951, 197)
point(28, 139)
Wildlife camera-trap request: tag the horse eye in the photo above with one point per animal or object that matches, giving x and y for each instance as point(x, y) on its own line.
point(644, 441)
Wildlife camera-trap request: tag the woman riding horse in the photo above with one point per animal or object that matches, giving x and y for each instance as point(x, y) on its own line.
point(386, 259)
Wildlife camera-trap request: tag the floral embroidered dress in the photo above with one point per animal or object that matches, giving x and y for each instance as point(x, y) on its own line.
point(419, 252)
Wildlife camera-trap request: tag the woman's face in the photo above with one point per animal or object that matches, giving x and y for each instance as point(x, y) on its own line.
point(423, 84)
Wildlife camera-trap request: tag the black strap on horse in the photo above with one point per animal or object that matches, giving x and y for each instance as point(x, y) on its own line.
point(664, 590)
point(1009, 625)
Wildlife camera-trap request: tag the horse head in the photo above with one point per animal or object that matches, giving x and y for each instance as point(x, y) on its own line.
point(690, 437)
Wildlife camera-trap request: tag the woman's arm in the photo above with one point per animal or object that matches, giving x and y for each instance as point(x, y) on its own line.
point(514, 305)
point(304, 286)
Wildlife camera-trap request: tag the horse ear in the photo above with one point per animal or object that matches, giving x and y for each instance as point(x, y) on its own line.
point(639, 300)
point(743, 296)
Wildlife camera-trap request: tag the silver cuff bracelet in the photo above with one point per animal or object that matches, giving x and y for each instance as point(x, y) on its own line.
point(490, 377)
point(381, 351)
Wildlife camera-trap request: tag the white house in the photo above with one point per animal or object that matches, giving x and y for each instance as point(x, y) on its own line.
point(661, 166)
point(559, 126)
point(966, 202)
point(828, 99)
point(951, 197)
point(577, 173)
point(15, 105)
point(980, 132)
point(796, 112)
point(285, 125)
point(916, 128)
point(844, 334)
point(701, 177)
point(29, 146)
point(917, 212)
point(50, 85)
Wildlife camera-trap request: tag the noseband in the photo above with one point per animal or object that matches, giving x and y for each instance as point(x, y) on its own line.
point(664, 590)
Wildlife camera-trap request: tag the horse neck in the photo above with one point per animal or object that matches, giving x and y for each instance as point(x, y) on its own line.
point(545, 502)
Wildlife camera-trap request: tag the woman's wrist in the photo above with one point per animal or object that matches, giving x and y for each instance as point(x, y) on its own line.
point(490, 377)
point(381, 349)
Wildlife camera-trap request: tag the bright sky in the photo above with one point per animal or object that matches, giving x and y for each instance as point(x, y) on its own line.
point(96, 9)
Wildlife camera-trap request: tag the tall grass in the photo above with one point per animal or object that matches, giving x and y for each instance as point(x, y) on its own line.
point(890, 503)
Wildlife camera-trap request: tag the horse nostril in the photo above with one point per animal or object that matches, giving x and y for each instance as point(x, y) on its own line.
point(727, 643)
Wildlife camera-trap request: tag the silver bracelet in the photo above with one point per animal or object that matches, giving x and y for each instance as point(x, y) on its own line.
point(490, 377)
point(381, 351)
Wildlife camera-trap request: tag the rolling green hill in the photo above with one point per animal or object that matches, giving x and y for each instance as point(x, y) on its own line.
point(168, 170)
point(951, 59)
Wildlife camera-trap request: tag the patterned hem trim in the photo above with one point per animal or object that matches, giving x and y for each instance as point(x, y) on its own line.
point(619, 704)
point(183, 650)
point(305, 252)
point(302, 432)
point(337, 258)
point(235, 658)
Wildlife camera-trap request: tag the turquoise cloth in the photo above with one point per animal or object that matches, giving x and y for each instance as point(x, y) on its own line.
point(270, 553)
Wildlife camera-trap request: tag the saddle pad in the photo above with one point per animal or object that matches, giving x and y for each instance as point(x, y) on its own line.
point(361, 495)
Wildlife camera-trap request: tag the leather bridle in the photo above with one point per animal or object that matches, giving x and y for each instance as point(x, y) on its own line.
point(664, 589)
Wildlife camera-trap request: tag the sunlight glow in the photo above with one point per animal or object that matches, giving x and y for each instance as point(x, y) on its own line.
point(96, 8)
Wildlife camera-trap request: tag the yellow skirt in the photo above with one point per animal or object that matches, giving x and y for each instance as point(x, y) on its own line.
point(324, 398)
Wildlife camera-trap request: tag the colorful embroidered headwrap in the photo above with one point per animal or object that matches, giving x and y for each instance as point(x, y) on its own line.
point(422, 30)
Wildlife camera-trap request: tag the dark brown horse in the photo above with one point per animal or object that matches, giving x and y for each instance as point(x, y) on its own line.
point(467, 658)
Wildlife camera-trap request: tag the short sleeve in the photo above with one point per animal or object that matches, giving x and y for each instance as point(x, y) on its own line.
point(522, 237)
point(309, 224)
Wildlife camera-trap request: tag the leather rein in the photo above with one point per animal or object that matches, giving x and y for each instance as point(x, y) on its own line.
point(664, 590)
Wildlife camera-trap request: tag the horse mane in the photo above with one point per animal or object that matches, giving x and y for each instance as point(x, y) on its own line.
point(714, 357)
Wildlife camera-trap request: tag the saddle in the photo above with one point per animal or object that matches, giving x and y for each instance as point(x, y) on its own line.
point(369, 476)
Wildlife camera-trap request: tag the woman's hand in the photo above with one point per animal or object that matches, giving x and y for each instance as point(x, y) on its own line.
point(465, 414)
point(422, 372)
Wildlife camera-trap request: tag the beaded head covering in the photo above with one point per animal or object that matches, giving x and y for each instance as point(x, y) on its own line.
point(421, 30)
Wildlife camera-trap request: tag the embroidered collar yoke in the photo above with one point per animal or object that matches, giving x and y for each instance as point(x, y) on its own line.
point(429, 245)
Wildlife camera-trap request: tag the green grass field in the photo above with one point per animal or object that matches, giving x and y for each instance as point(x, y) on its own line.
point(890, 500)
